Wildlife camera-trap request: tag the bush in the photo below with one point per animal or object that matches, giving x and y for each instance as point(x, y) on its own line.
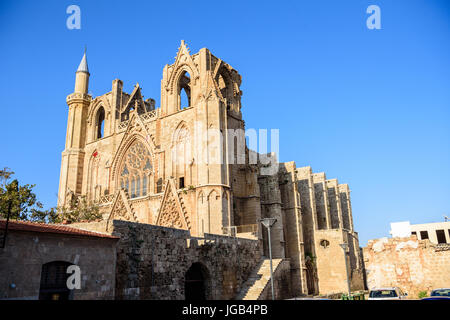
point(423, 294)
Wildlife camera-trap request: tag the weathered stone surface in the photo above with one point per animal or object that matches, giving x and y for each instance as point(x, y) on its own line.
point(160, 166)
point(157, 264)
point(25, 253)
point(411, 264)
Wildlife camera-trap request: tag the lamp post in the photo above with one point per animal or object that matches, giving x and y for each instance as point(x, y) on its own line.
point(344, 246)
point(268, 223)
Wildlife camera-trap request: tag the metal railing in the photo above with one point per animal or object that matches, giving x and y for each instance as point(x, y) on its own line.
point(247, 228)
point(234, 230)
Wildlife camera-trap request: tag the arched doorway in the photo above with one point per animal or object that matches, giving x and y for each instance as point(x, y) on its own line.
point(54, 281)
point(196, 283)
point(310, 277)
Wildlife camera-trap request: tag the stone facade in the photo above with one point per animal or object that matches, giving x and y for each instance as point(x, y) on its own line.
point(159, 166)
point(29, 247)
point(152, 261)
point(411, 264)
point(319, 219)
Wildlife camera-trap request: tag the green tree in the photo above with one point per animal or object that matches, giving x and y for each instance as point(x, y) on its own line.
point(24, 204)
point(5, 174)
point(78, 210)
point(21, 198)
point(45, 216)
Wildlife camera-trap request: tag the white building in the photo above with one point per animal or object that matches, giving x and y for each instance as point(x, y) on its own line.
point(437, 232)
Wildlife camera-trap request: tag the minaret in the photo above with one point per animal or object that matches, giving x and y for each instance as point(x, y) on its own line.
point(82, 76)
point(71, 178)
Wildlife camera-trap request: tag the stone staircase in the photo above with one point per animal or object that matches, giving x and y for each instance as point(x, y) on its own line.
point(258, 280)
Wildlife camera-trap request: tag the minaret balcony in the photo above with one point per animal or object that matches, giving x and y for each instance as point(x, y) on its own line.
point(73, 97)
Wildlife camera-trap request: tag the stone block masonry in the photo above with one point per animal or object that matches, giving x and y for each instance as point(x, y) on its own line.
point(32, 246)
point(411, 264)
point(146, 164)
point(153, 261)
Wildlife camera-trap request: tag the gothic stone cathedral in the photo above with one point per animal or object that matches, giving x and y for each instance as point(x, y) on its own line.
point(141, 164)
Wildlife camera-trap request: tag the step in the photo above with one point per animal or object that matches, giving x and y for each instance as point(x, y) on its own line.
point(258, 280)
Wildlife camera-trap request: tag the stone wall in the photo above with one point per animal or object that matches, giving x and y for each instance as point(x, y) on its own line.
point(294, 237)
point(25, 253)
point(330, 263)
point(152, 262)
point(411, 264)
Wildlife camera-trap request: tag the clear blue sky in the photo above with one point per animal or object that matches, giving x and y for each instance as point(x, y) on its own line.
point(369, 107)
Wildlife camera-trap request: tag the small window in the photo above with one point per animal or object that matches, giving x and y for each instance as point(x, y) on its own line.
point(181, 182)
point(324, 243)
point(423, 235)
point(159, 186)
point(414, 233)
point(440, 234)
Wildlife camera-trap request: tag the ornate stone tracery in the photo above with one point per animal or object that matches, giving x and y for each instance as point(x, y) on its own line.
point(171, 213)
point(136, 130)
point(135, 170)
point(121, 209)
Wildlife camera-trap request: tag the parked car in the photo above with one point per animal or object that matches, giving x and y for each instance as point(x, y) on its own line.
point(439, 294)
point(392, 293)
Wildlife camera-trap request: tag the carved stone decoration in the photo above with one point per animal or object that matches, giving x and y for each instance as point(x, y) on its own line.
point(135, 101)
point(135, 129)
point(211, 92)
point(171, 213)
point(183, 59)
point(121, 209)
point(95, 105)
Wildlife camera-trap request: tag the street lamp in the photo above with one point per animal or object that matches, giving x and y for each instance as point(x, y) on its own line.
point(268, 223)
point(344, 246)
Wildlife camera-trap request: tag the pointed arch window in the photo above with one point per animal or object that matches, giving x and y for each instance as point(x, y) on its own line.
point(135, 169)
point(184, 91)
point(225, 85)
point(100, 123)
point(222, 85)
